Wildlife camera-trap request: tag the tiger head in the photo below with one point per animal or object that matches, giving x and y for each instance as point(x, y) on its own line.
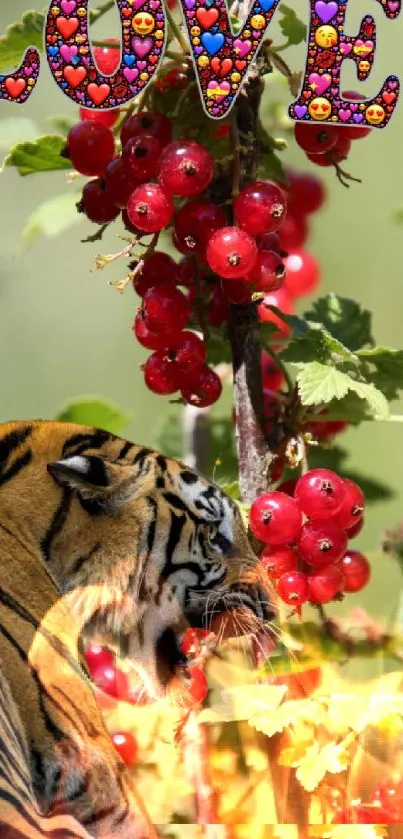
point(142, 545)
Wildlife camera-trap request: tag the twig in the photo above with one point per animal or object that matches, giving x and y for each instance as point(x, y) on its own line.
point(196, 433)
point(182, 41)
point(195, 754)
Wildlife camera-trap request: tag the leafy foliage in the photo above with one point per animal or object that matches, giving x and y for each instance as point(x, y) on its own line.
point(40, 155)
point(96, 411)
point(52, 217)
point(28, 32)
point(291, 26)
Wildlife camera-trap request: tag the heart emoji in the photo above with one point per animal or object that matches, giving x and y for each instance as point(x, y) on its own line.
point(318, 83)
point(67, 26)
point(74, 75)
point(130, 73)
point(242, 47)
point(15, 86)
point(207, 17)
point(240, 65)
point(67, 52)
point(388, 97)
point(212, 43)
point(98, 92)
point(218, 90)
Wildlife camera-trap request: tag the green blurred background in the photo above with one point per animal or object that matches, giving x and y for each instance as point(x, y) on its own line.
point(64, 332)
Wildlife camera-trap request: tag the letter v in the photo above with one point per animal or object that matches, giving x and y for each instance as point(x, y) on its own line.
point(222, 59)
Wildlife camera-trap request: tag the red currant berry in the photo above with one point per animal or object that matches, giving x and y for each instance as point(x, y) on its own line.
point(137, 695)
point(353, 505)
point(388, 794)
point(307, 193)
point(198, 686)
point(293, 588)
point(149, 208)
point(91, 146)
point(119, 184)
point(203, 389)
point(148, 339)
point(140, 157)
point(326, 430)
point(161, 375)
point(107, 118)
point(190, 352)
point(279, 561)
point(186, 272)
point(96, 204)
point(174, 79)
point(337, 154)
point(356, 571)
point(192, 641)
point(272, 375)
point(362, 814)
point(185, 169)
point(260, 208)
point(194, 224)
point(325, 583)
point(158, 268)
point(268, 272)
point(316, 139)
point(288, 487)
point(353, 531)
point(236, 291)
point(321, 543)
point(275, 518)
point(128, 224)
point(320, 493)
point(294, 232)
point(98, 657)
point(111, 680)
point(126, 745)
point(107, 59)
point(217, 307)
point(282, 301)
point(166, 309)
point(147, 122)
point(302, 273)
point(270, 242)
point(231, 252)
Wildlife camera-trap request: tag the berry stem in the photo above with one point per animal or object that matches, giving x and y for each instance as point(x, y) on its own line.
point(101, 10)
point(283, 368)
point(175, 29)
point(195, 748)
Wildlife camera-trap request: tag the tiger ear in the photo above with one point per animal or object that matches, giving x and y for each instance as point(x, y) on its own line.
point(80, 472)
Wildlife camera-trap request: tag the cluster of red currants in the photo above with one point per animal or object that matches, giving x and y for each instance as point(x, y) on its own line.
point(385, 806)
point(306, 526)
point(329, 145)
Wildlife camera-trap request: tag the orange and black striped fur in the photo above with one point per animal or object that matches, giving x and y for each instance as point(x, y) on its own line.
point(106, 539)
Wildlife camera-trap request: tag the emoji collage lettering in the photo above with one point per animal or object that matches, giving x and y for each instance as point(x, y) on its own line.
point(320, 99)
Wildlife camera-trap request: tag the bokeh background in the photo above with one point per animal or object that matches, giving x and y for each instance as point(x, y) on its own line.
point(65, 333)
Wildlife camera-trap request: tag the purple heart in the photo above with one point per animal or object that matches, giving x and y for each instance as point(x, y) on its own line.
point(190, 4)
point(79, 95)
point(326, 10)
point(86, 59)
point(68, 6)
point(300, 111)
point(142, 65)
point(344, 114)
point(358, 117)
point(131, 74)
point(198, 50)
point(68, 52)
point(142, 46)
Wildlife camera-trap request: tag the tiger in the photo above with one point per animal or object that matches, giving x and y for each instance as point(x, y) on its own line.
point(100, 538)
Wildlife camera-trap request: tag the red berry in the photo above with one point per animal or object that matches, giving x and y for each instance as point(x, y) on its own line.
point(231, 252)
point(293, 588)
point(185, 169)
point(307, 193)
point(279, 561)
point(96, 204)
point(91, 146)
point(337, 154)
point(353, 505)
point(161, 375)
point(320, 493)
point(192, 640)
point(275, 518)
point(189, 352)
point(149, 208)
point(300, 685)
point(111, 680)
point(236, 291)
point(186, 272)
point(158, 268)
point(325, 583)
point(326, 430)
point(203, 389)
point(362, 814)
point(150, 340)
point(353, 531)
point(166, 309)
point(388, 794)
point(140, 157)
point(126, 745)
point(107, 118)
point(316, 139)
point(119, 184)
point(217, 307)
point(294, 232)
point(288, 487)
point(147, 122)
point(137, 695)
point(194, 224)
point(108, 59)
point(356, 571)
point(260, 208)
point(302, 273)
point(272, 375)
point(98, 657)
point(321, 543)
point(174, 79)
point(270, 242)
point(198, 687)
point(268, 272)
point(128, 224)
point(282, 301)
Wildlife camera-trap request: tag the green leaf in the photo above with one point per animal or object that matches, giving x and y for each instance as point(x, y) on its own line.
point(28, 32)
point(52, 218)
point(96, 411)
point(15, 129)
point(319, 384)
point(232, 490)
point(385, 369)
point(168, 435)
point(344, 319)
point(218, 347)
point(316, 344)
point(62, 124)
point(41, 155)
point(350, 408)
point(291, 26)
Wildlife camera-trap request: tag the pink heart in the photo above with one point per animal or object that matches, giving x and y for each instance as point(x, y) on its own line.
point(68, 52)
point(344, 114)
point(137, 4)
point(68, 6)
point(142, 46)
point(130, 74)
point(242, 47)
point(319, 83)
point(142, 65)
point(218, 90)
point(154, 5)
point(393, 85)
point(345, 49)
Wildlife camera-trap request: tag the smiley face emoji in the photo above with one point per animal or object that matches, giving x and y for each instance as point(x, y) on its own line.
point(203, 61)
point(195, 30)
point(326, 36)
point(364, 66)
point(258, 22)
point(320, 108)
point(143, 23)
point(375, 114)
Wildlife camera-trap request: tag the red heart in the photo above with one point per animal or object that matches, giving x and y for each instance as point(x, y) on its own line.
point(126, 12)
point(240, 65)
point(215, 64)
point(306, 94)
point(153, 59)
point(74, 75)
point(15, 86)
point(207, 17)
point(67, 26)
point(388, 97)
point(98, 92)
point(51, 39)
point(226, 66)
